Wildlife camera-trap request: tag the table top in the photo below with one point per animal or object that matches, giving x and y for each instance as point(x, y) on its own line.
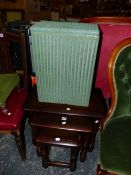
point(95, 109)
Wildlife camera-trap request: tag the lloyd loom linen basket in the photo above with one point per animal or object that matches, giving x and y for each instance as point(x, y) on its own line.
point(64, 55)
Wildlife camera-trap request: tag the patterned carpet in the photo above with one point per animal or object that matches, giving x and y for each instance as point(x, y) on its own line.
point(11, 164)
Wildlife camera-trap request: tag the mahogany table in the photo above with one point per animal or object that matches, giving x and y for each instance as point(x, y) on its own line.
point(61, 117)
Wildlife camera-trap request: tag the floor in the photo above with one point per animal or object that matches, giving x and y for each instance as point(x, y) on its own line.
point(11, 164)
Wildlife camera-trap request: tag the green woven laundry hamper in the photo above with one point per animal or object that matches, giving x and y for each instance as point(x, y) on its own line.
point(64, 55)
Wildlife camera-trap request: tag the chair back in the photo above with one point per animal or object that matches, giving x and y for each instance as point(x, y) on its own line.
point(115, 142)
point(119, 75)
point(13, 97)
point(11, 61)
point(113, 30)
point(104, 20)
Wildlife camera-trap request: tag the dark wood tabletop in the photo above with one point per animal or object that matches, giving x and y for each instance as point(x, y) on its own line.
point(96, 107)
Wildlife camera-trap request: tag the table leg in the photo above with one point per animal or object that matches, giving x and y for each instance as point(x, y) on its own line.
point(87, 145)
point(45, 156)
point(73, 161)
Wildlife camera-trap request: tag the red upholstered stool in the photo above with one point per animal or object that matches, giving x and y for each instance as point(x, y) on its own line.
point(53, 137)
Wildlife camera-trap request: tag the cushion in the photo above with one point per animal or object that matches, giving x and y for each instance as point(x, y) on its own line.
point(122, 76)
point(14, 104)
point(115, 146)
point(7, 83)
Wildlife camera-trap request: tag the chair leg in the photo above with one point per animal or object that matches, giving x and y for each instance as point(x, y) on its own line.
point(101, 171)
point(73, 161)
point(20, 142)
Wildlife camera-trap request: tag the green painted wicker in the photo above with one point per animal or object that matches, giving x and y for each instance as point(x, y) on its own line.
point(64, 55)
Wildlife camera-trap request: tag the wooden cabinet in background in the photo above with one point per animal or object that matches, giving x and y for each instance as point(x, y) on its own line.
point(35, 10)
point(17, 4)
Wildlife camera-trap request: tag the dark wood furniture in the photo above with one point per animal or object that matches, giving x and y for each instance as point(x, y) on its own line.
point(14, 122)
point(81, 121)
point(54, 137)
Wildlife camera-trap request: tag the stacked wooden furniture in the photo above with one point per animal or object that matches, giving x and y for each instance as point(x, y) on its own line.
point(64, 113)
point(64, 125)
point(55, 137)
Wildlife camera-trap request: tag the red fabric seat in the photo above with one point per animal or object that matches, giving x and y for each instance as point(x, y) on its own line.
point(15, 106)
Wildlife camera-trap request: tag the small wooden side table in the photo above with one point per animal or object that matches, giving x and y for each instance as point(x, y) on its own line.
point(47, 138)
point(83, 120)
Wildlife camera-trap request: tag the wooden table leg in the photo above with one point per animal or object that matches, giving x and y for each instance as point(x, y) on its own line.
point(88, 145)
point(45, 156)
point(73, 161)
point(91, 143)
